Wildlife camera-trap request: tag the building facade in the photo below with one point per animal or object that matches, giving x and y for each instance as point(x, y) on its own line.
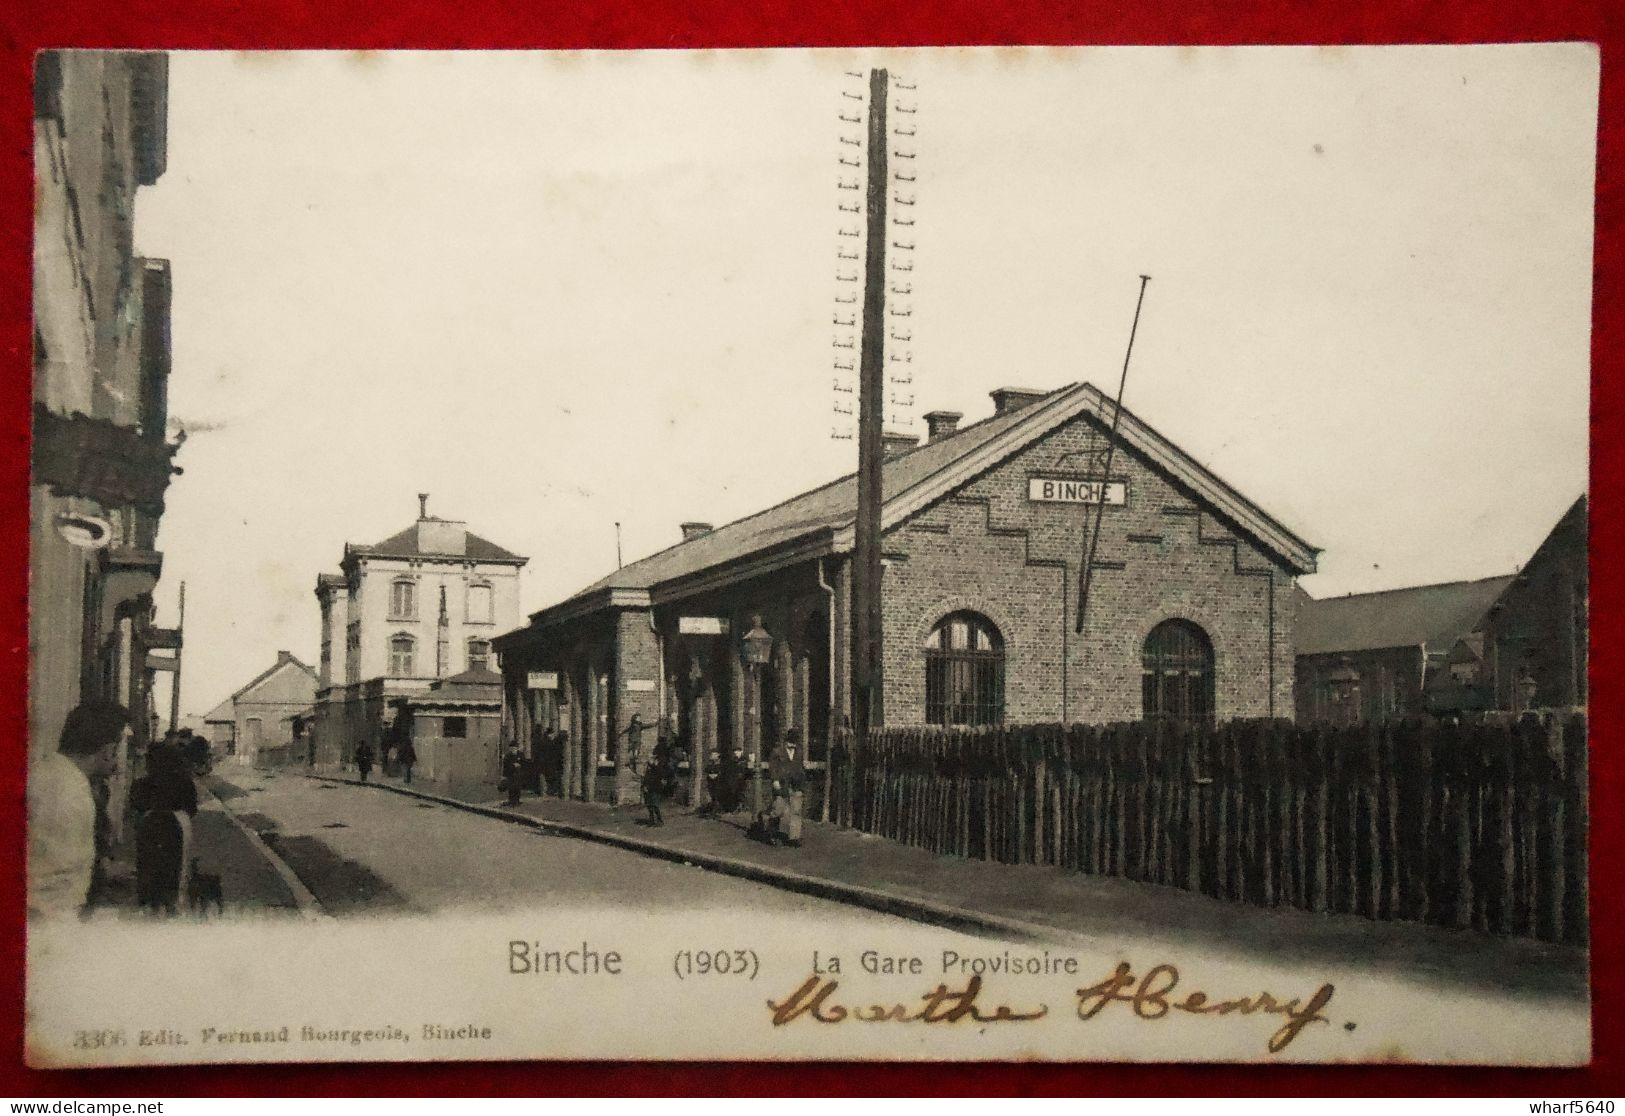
point(422, 605)
point(1536, 634)
point(1461, 648)
point(1375, 657)
point(101, 457)
point(984, 528)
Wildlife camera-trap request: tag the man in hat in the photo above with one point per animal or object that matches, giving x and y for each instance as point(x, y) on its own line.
point(787, 767)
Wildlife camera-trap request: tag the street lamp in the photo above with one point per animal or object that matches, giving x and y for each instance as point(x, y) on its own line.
point(755, 649)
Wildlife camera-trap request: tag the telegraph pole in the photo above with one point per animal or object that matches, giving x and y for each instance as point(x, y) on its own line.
point(180, 653)
point(867, 621)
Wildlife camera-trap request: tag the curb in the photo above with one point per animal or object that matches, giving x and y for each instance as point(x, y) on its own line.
point(304, 900)
point(918, 910)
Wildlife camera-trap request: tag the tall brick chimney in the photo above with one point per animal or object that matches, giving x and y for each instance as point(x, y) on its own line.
point(695, 530)
point(940, 424)
point(1007, 399)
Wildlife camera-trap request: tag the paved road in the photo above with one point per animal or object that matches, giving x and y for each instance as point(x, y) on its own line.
point(363, 850)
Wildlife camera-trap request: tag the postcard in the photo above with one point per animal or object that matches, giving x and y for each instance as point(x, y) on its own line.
point(934, 554)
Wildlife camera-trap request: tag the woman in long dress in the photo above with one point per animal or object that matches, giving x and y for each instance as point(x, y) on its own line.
point(166, 799)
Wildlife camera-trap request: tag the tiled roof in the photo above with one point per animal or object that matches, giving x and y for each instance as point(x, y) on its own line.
point(831, 507)
point(404, 544)
point(1437, 615)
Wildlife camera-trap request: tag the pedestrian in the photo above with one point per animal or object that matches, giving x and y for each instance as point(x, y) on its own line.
point(513, 772)
point(363, 759)
point(165, 801)
point(63, 821)
point(656, 781)
point(406, 756)
point(787, 768)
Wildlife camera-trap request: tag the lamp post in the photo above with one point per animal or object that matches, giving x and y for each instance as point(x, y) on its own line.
point(755, 649)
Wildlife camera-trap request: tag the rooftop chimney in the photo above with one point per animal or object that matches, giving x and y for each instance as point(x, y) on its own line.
point(896, 442)
point(1007, 399)
point(695, 530)
point(423, 505)
point(283, 657)
point(940, 424)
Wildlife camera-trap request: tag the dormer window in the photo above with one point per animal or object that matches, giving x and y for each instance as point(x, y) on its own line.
point(403, 599)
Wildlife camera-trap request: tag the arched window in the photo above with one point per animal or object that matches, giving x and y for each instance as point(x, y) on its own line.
point(479, 654)
point(402, 657)
point(964, 671)
point(479, 603)
point(1176, 679)
point(403, 599)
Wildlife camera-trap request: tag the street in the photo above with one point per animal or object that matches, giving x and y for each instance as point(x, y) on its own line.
point(361, 850)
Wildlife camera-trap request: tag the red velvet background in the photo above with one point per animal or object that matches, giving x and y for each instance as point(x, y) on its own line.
point(27, 25)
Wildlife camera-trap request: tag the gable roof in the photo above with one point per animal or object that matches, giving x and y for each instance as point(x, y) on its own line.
point(1436, 615)
point(404, 544)
point(224, 713)
point(822, 520)
point(283, 659)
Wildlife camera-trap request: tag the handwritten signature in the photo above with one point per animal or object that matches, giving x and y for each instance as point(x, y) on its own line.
point(1151, 997)
point(941, 1005)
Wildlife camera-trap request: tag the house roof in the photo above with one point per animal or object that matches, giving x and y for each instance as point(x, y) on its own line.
point(404, 544)
point(1436, 615)
point(224, 713)
point(283, 659)
point(916, 477)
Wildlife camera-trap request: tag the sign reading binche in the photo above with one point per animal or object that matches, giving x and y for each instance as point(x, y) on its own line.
point(1075, 490)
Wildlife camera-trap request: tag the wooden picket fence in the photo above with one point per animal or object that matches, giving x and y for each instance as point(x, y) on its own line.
point(1472, 826)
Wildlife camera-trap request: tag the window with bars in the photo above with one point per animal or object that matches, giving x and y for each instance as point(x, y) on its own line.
point(402, 656)
point(1176, 673)
point(964, 671)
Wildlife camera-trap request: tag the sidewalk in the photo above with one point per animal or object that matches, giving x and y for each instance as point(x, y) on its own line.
point(1028, 902)
point(249, 875)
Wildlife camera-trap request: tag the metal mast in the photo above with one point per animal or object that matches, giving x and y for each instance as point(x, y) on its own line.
point(1085, 575)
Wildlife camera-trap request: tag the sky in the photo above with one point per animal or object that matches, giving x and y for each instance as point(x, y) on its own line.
point(561, 291)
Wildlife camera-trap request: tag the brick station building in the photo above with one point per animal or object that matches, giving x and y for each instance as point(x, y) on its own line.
point(1191, 610)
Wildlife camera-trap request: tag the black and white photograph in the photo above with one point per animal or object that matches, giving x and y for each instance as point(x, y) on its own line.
point(961, 553)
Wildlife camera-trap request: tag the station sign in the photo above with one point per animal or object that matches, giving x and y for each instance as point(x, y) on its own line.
point(542, 680)
point(1076, 490)
point(640, 685)
point(702, 625)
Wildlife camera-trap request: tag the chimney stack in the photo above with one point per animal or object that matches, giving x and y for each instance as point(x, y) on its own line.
point(1007, 399)
point(695, 530)
point(896, 442)
point(940, 424)
point(423, 505)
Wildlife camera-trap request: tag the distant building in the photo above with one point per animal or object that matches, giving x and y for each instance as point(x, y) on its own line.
point(456, 730)
point(422, 605)
point(220, 726)
point(1369, 656)
point(101, 458)
point(1502, 644)
point(1536, 633)
point(253, 718)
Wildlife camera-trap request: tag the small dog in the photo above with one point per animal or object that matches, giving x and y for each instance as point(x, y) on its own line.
point(205, 888)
